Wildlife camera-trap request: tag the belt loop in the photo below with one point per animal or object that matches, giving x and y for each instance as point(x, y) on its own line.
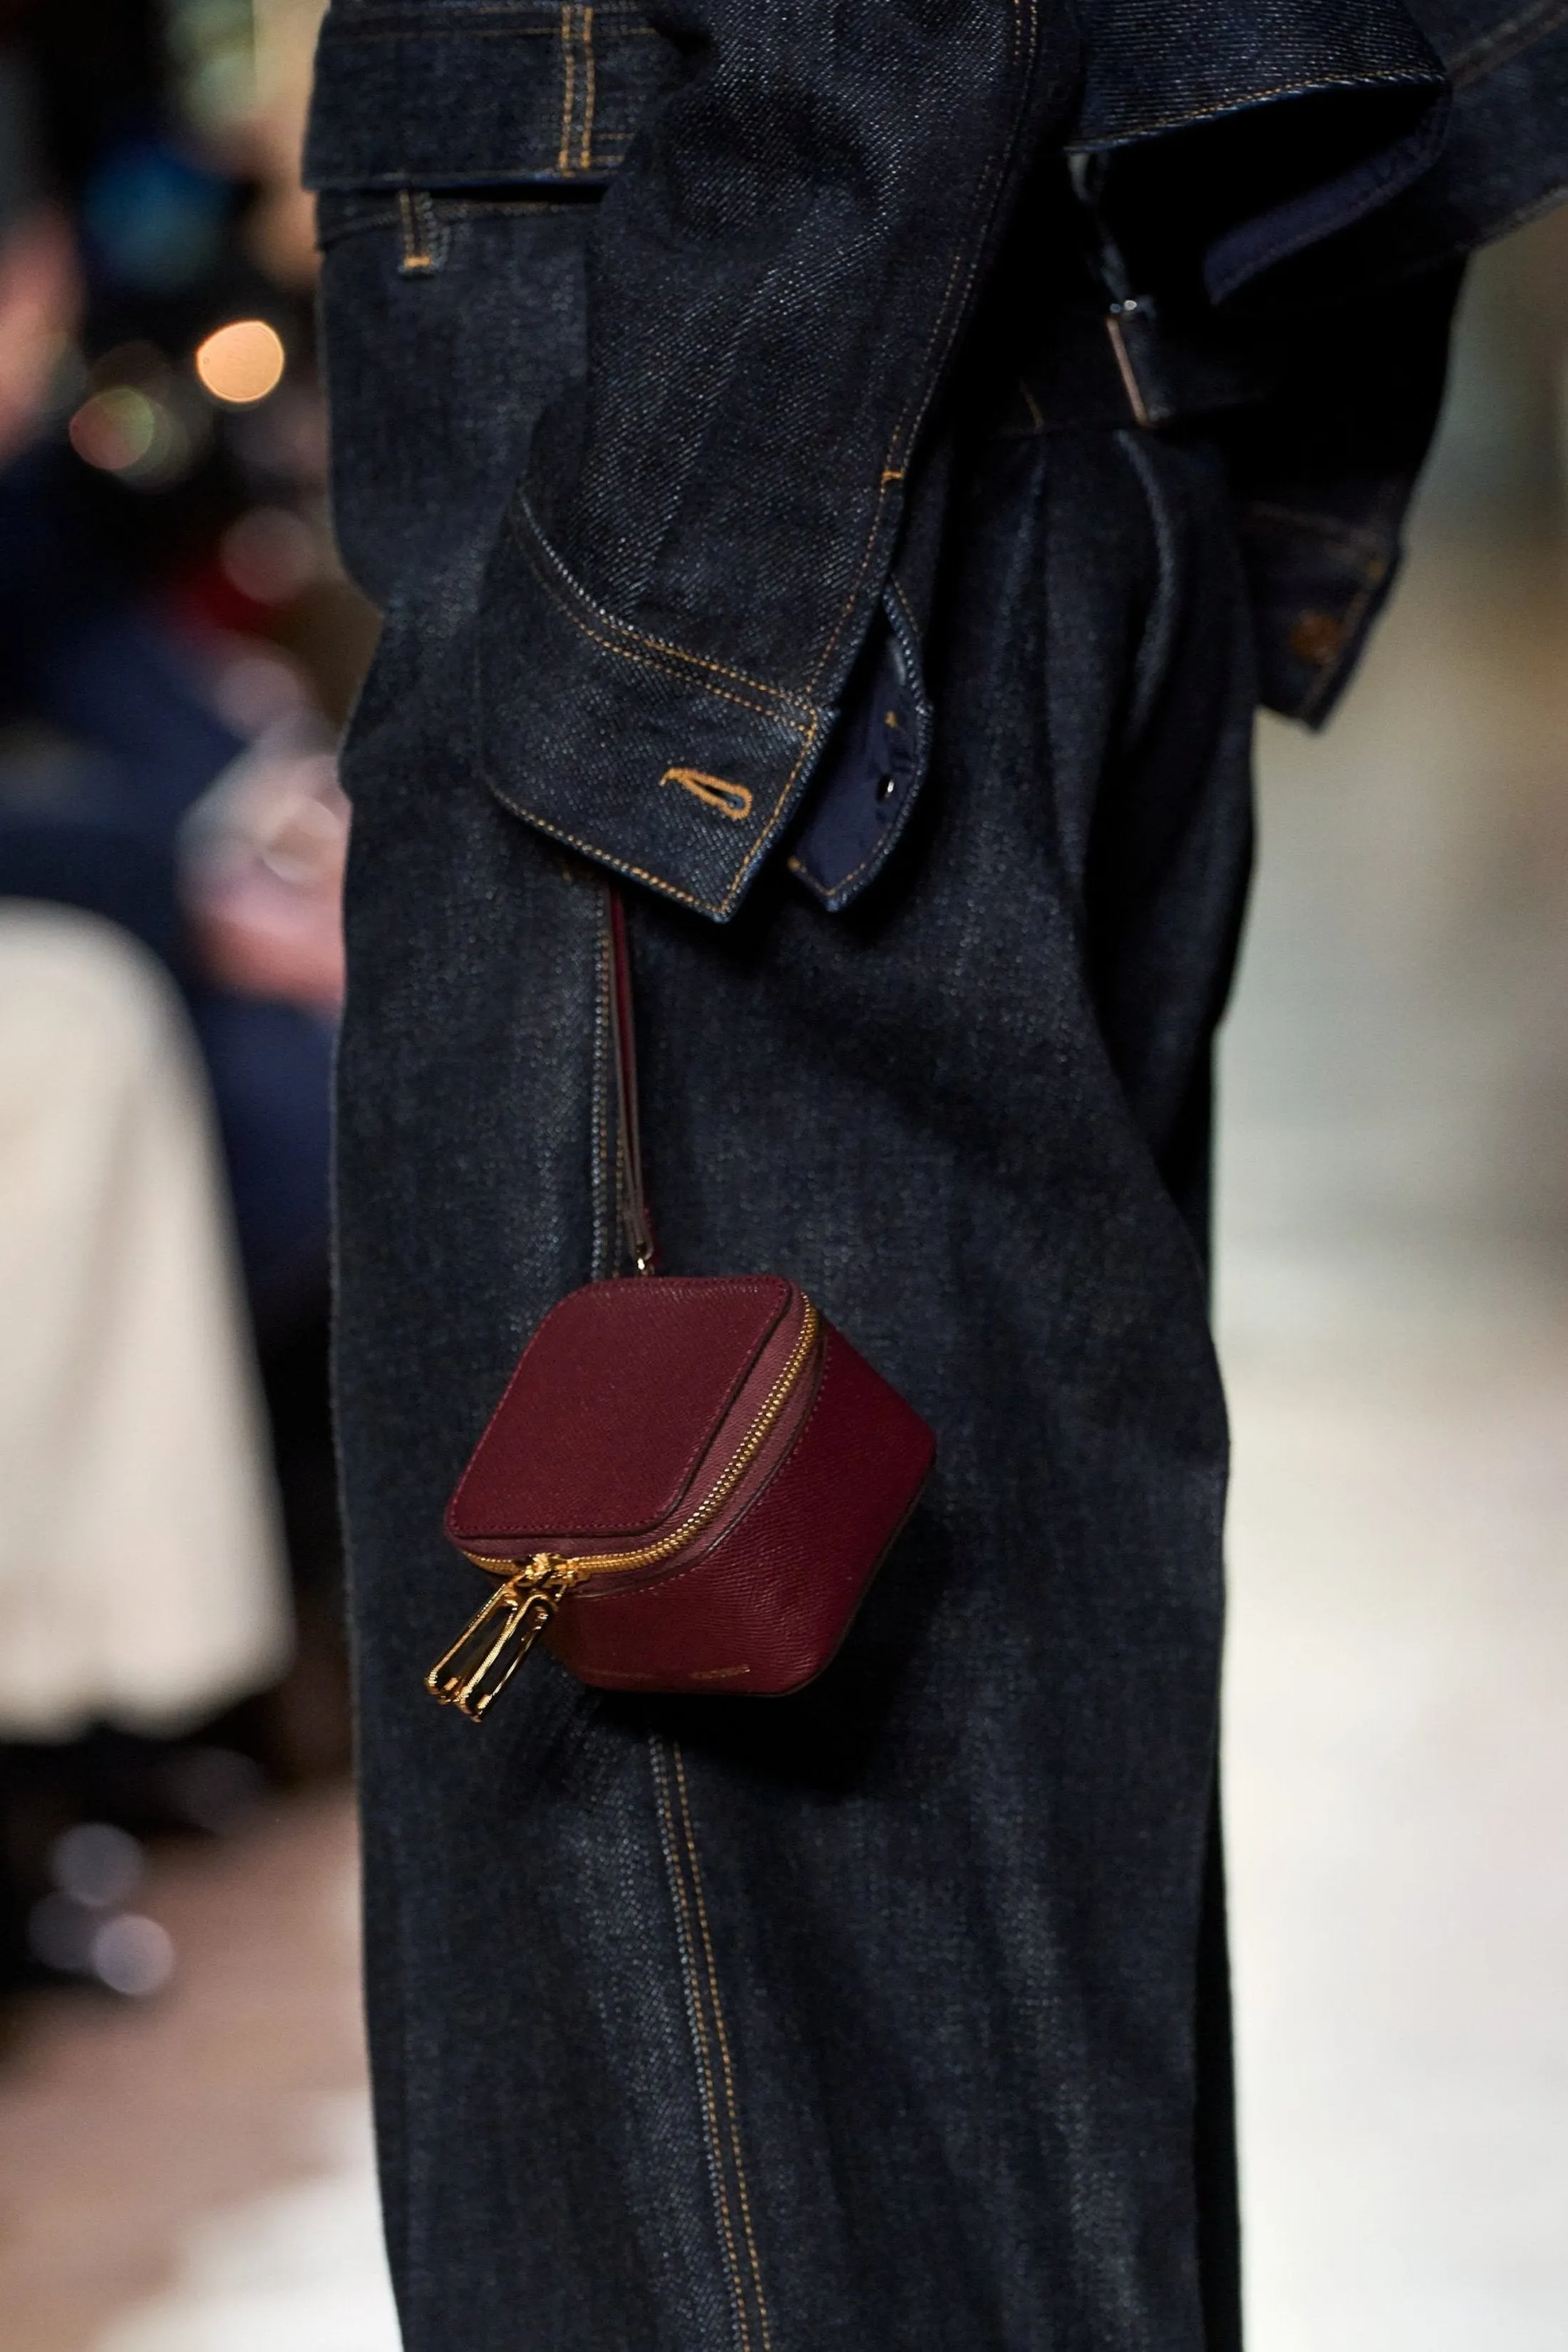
point(423, 237)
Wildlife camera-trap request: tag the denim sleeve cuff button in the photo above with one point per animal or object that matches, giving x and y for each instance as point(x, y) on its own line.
point(674, 769)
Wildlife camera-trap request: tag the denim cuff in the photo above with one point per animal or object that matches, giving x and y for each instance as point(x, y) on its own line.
point(675, 770)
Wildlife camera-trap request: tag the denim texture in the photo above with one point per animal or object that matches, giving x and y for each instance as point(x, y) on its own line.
point(1505, 154)
point(830, 183)
point(892, 2013)
point(867, 2018)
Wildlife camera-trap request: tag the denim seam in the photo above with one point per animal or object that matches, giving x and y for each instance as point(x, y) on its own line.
point(620, 865)
point(717, 907)
point(422, 233)
point(1021, 47)
point(797, 865)
point(590, 92)
point(1378, 174)
point(1361, 551)
point(568, 77)
point(1507, 41)
point(882, 847)
point(1328, 676)
point(1323, 686)
point(448, 211)
point(697, 2026)
point(1151, 663)
point(795, 708)
point(846, 881)
point(732, 2103)
point(1191, 118)
point(596, 850)
point(577, 89)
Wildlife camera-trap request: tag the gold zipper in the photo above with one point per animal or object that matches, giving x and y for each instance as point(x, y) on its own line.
point(490, 1648)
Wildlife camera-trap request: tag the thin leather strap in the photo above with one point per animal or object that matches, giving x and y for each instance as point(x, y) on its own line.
point(631, 1192)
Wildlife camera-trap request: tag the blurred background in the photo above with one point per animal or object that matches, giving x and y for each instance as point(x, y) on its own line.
point(183, 2138)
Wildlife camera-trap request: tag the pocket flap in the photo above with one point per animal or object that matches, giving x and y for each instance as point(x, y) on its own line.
point(443, 94)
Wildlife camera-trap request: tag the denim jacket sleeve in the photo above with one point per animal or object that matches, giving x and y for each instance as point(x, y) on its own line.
point(705, 527)
point(716, 524)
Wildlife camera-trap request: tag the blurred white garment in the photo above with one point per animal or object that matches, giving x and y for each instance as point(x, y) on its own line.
point(140, 1565)
point(303, 2266)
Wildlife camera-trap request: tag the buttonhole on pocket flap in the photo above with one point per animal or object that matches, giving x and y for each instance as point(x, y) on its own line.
point(714, 792)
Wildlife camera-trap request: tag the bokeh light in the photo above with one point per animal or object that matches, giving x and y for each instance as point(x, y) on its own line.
point(242, 362)
point(270, 555)
point(115, 430)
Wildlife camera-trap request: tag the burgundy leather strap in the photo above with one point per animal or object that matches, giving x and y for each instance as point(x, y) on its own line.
point(635, 1223)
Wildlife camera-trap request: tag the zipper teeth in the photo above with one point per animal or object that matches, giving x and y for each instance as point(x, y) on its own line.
point(739, 1462)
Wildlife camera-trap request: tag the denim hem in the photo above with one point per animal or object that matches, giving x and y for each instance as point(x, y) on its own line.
point(673, 770)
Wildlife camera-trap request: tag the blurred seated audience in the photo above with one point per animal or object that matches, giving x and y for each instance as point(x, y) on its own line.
point(163, 565)
point(177, 648)
point(141, 1577)
point(140, 1555)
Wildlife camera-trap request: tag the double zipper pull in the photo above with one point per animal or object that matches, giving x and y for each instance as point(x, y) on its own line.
point(489, 1652)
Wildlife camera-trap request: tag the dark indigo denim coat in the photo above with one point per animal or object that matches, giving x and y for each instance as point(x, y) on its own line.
point(709, 383)
point(789, 180)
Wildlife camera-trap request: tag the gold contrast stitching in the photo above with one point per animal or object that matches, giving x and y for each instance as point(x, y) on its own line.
point(662, 669)
point(585, 147)
point(1022, 37)
point(717, 907)
point(578, 86)
point(667, 665)
point(417, 218)
point(730, 800)
point(808, 733)
point(699, 2034)
point(618, 865)
point(568, 87)
point(536, 545)
point(1020, 43)
point(730, 2099)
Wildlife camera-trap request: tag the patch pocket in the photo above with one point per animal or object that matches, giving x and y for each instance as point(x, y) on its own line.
point(459, 152)
point(442, 94)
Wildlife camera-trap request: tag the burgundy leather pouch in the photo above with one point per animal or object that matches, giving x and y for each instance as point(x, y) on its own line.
point(688, 1484)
